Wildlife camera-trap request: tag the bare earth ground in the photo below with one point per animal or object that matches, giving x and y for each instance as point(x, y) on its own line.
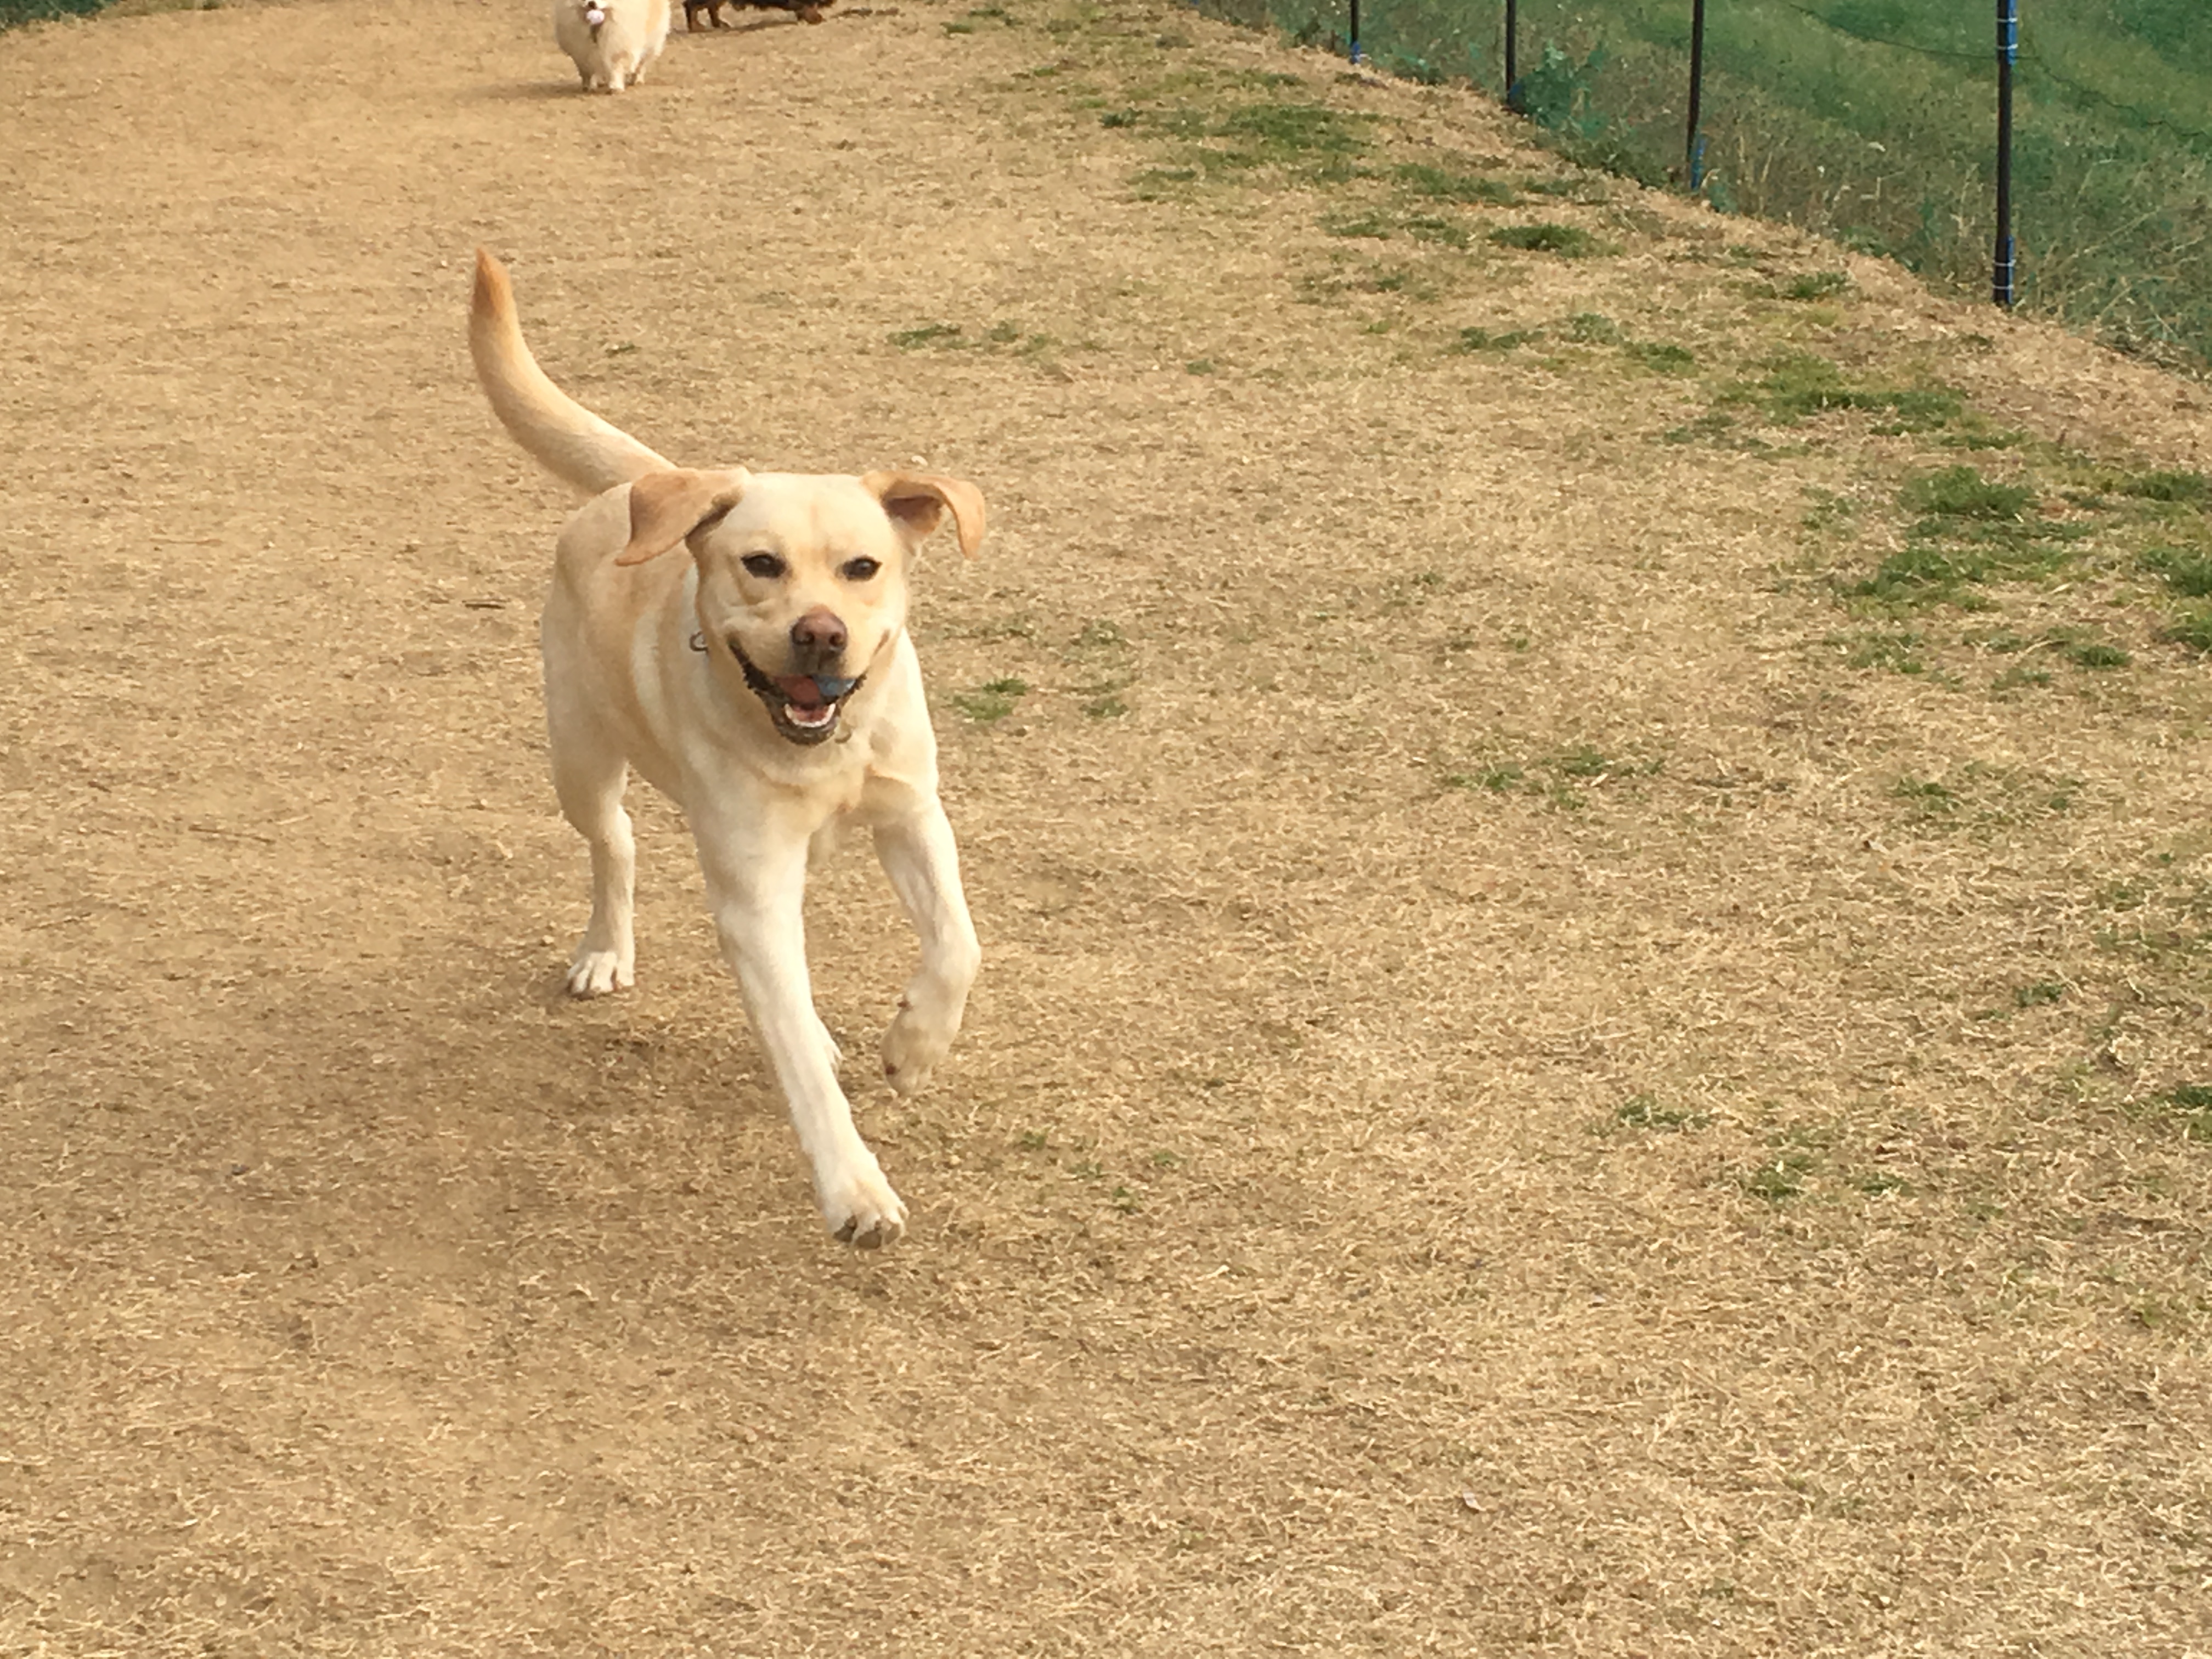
point(1549, 1077)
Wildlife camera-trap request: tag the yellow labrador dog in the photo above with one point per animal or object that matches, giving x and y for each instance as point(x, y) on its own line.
point(766, 685)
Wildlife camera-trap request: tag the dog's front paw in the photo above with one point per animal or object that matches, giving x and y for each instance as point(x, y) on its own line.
point(859, 1206)
point(595, 973)
point(912, 1047)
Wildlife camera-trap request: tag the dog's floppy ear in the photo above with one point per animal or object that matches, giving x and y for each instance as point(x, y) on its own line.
point(666, 507)
point(917, 502)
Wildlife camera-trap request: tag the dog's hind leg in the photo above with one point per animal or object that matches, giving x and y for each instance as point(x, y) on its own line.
point(589, 775)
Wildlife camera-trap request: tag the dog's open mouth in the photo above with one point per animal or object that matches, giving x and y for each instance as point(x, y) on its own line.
point(804, 707)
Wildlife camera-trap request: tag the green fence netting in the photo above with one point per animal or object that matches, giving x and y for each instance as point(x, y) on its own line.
point(1874, 121)
point(13, 12)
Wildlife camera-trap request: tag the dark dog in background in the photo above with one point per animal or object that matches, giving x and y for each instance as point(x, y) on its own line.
point(807, 11)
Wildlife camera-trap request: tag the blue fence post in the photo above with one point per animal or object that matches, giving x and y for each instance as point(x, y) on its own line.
point(1693, 145)
point(2000, 274)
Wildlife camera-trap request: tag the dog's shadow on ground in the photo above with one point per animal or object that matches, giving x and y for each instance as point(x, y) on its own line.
point(528, 92)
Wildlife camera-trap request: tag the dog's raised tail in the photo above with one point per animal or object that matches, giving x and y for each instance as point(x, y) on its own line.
point(566, 439)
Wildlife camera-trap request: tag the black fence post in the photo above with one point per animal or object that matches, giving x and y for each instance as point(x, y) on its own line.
point(1694, 144)
point(1512, 75)
point(2000, 274)
point(1354, 54)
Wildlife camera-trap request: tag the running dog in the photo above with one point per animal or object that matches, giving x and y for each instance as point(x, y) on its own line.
point(767, 685)
point(611, 41)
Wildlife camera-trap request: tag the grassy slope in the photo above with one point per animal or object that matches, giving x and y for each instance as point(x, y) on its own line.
point(1875, 118)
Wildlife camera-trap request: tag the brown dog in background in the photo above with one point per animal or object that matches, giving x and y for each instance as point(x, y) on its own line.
point(807, 11)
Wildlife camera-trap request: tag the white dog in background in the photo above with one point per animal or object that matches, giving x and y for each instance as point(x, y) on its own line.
point(611, 40)
point(739, 638)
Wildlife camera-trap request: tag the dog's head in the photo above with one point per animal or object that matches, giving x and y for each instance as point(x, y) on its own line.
point(802, 578)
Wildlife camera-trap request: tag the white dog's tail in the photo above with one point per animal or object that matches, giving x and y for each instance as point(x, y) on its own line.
point(566, 439)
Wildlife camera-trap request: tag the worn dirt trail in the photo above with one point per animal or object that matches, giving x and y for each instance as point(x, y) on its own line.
point(1477, 1134)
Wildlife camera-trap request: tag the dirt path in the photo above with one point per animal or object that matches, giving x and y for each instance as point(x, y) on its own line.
point(1502, 1115)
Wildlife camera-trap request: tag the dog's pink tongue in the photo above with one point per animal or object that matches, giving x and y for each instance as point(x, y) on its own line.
point(800, 691)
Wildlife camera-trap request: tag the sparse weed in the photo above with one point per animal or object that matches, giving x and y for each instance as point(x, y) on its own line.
point(1661, 357)
point(1782, 1178)
point(2191, 1104)
point(1817, 285)
point(2190, 487)
point(2020, 674)
point(1444, 184)
point(1481, 339)
point(993, 700)
point(1374, 225)
point(1098, 634)
point(1566, 241)
point(927, 334)
point(1961, 492)
point(1827, 510)
point(2185, 571)
point(1646, 1111)
point(1925, 799)
point(1899, 653)
point(1982, 796)
point(2193, 628)
point(2087, 652)
point(1798, 385)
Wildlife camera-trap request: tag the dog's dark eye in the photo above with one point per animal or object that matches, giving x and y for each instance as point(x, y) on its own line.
point(859, 570)
point(764, 565)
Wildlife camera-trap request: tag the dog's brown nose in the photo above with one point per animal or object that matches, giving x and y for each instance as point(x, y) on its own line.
point(819, 633)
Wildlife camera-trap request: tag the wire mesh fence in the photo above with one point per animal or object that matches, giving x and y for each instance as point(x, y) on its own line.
point(1874, 121)
point(13, 12)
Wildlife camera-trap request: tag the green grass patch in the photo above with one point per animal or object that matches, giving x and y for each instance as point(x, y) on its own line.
point(2193, 488)
point(1375, 225)
point(2084, 651)
point(1897, 653)
point(2190, 1104)
point(1961, 492)
point(1816, 285)
point(1983, 797)
point(2192, 628)
point(1660, 357)
point(1924, 576)
point(1449, 184)
point(2185, 571)
point(1567, 241)
point(993, 700)
point(1782, 1178)
point(1648, 1112)
point(1801, 384)
point(1483, 339)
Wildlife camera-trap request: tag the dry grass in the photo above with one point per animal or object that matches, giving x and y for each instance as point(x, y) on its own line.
point(1552, 1075)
